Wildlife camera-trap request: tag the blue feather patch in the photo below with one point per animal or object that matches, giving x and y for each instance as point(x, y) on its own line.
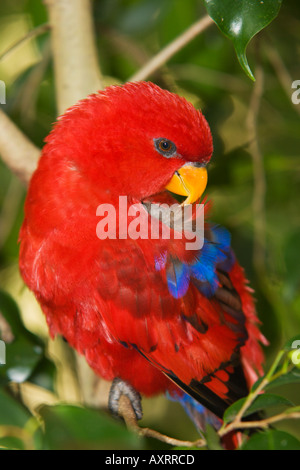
point(215, 254)
point(195, 411)
point(178, 277)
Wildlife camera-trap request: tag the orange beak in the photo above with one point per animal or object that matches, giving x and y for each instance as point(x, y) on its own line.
point(189, 181)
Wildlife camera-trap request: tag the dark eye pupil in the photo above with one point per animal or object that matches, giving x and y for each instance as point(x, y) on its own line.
point(165, 145)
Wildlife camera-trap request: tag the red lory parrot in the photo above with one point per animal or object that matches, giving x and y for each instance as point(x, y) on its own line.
point(146, 312)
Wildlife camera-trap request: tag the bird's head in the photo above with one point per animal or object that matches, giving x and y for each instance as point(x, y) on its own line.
point(136, 140)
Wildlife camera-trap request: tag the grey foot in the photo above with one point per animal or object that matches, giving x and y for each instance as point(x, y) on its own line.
point(119, 388)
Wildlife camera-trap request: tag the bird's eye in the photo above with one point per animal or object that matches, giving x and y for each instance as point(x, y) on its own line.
point(165, 147)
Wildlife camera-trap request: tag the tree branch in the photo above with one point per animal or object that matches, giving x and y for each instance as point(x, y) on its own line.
point(77, 72)
point(165, 54)
point(262, 423)
point(19, 154)
point(43, 28)
point(128, 414)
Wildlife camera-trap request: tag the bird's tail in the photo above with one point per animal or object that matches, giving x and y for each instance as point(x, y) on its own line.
point(201, 417)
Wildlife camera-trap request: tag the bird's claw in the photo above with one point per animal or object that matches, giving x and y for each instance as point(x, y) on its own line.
point(119, 388)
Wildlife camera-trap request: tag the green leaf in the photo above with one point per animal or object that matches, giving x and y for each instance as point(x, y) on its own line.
point(12, 413)
point(272, 440)
point(22, 357)
point(212, 438)
point(44, 375)
point(233, 410)
point(291, 377)
point(11, 313)
point(10, 310)
point(267, 400)
point(25, 351)
point(71, 427)
point(11, 443)
point(241, 20)
point(260, 403)
point(257, 383)
point(294, 409)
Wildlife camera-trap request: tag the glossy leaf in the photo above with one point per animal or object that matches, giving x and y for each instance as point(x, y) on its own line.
point(267, 400)
point(12, 413)
point(272, 440)
point(241, 20)
point(260, 403)
point(44, 375)
point(25, 351)
point(212, 438)
point(294, 409)
point(19, 425)
point(21, 359)
point(11, 443)
point(72, 427)
point(292, 377)
point(233, 410)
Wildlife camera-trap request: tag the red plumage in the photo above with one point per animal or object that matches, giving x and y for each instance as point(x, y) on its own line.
point(105, 296)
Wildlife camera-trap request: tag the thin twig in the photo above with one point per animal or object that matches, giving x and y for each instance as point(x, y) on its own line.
point(128, 414)
point(167, 52)
point(281, 71)
point(262, 423)
point(43, 28)
point(237, 422)
point(17, 151)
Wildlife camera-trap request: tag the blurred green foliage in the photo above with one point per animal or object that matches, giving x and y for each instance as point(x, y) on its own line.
point(206, 71)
